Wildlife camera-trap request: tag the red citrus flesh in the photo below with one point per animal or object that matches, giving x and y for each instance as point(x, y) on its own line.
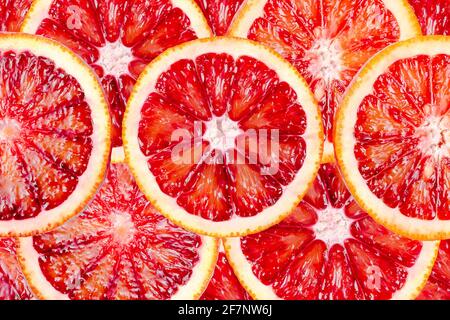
point(45, 135)
point(119, 247)
point(12, 13)
point(224, 285)
point(330, 249)
point(327, 41)
point(13, 285)
point(438, 285)
point(403, 138)
point(220, 13)
point(119, 45)
point(434, 16)
point(219, 181)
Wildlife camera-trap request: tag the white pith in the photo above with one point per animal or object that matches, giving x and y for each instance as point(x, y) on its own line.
point(332, 226)
point(123, 228)
point(147, 181)
point(114, 58)
point(415, 280)
point(434, 137)
point(221, 133)
point(345, 140)
point(325, 60)
point(327, 66)
point(9, 130)
point(93, 94)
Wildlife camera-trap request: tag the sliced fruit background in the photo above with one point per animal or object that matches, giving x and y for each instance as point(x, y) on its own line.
point(220, 13)
point(438, 285)
point(54, 134)
point(13, 284)
point(210, 183)
point(119, 247)
point(327, 41)
point(224, 285)
point(118, 38)
point(329, 248)
point(393, 138)
point(12, 13)
point(433, 15)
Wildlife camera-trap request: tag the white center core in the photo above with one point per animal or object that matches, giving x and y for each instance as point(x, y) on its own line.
point(115, 58)
point(9, 129)
point(325, 58)
point(123, 228)
point(333, 226)
point(221, 133)
point(434, 137)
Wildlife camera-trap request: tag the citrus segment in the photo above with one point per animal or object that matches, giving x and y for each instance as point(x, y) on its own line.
point(229, 163)
point(119, 247)
point(224, 285)
point(327, 41)
point(393, 138)
point(117, 38)
point(220, 13)
point(438, 285)
point(330, 249)
point(54, 134)
point(434, 16)
point(13, 284)
point(12, 14)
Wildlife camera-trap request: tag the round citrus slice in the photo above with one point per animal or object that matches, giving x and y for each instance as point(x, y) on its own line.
point(12, 13)
point(219, 13)
point(438, 285)
point(329, 249)
point(224, 285)
point(434, 16)
point(119, 247)
point(118, 38)
point(393, 138)
point(223, 135)
point(327, 41)
point(54, 134)
point(13, 284)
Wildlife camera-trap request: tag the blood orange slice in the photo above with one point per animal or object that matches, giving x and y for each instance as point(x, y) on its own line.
point(12, 13)
point(223, 136)
point(220, 13)
point(328, 248)
point(117, 38)
point(393, 138)
point(13, 284)
point(438, 285)
point(54, 134)
point(224, 285)
point(119, 247)
point(327, 41)
point(434, 16)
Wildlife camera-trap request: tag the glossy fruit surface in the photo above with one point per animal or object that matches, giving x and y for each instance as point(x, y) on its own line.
point(12, 13)
point(223, 136)
point(118, 38)
point(54, 134)
point(224, 285)
point(327, 41)
point(330, 249)
point(438, 285)
point(393, 138)
point(119, 247)
point(434, 16)
point(220, 13)
point(13, 284)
